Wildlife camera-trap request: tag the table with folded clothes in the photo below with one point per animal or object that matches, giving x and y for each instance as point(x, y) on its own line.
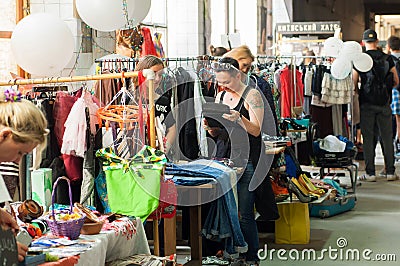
point(222, 221)
point(122, 238)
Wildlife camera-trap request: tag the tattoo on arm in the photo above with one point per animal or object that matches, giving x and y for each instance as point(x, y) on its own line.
point(255, 101)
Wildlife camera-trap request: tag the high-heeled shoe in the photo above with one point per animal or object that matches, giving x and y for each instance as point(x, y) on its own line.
point(310, 187)
point(299, 194)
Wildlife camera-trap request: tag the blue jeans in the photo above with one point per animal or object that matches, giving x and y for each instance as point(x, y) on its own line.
point(247, 220)
point(222, 223)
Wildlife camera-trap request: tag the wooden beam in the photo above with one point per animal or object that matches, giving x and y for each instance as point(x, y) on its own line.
point(20, 10)
point(5, 34)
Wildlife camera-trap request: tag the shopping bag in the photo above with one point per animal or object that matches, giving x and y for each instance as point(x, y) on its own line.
point(133, 186)
point(293, 226)
point(134, 191)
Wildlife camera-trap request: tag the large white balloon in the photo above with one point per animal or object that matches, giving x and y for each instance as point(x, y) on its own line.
point(109, 15)
point(103, 15)
point(332, 46)
point(351, 49)
point(341, 68)
point(363, 62)
point(42, 44)
point(140, 10)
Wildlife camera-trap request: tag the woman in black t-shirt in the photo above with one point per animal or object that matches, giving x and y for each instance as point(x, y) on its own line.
point(163, 112)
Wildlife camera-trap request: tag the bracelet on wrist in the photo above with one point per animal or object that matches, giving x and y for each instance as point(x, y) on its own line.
point(239, 118)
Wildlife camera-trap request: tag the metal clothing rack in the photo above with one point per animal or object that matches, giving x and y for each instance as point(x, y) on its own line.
point(322, 58)
point(166, 59)
point(149, 74)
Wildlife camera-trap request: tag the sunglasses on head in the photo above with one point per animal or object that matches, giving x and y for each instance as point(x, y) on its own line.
point(217, 66)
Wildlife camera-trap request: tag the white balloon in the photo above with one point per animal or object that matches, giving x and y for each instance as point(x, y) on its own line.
point(351, 49)
point(341, 68)
point(103, 15)
point(140, 10)
point(42, 44)
point(332, 46)
point(363, 62)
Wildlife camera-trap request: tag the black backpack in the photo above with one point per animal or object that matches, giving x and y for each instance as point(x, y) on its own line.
point(377, 85)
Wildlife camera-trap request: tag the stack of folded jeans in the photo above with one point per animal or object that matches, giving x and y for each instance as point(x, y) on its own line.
point(222, 222)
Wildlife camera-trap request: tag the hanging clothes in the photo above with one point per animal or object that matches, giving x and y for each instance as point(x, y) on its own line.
point(74, 139)
point(104, 90)
point(187, 129)
point(289, 92)
point(336, 91)
point(158, 45)
point(148, 45)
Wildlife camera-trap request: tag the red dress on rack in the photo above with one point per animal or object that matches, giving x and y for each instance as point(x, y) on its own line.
point(288, 91)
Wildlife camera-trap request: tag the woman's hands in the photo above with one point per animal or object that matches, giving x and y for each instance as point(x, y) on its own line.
point(8, 222)
point(234, 116)
point(22, 250)
point(213, 131)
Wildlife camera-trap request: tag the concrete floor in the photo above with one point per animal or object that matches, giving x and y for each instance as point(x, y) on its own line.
point(372, 225)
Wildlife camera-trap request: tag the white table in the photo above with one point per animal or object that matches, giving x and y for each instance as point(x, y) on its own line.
point(108, 247)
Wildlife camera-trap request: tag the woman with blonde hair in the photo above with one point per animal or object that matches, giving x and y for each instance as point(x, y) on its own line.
point(243, 55)
point(23, 127)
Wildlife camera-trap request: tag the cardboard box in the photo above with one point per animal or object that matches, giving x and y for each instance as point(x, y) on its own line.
point(42, 187)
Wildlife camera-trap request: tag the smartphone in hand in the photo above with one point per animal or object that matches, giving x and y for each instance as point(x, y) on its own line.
point(24, 238)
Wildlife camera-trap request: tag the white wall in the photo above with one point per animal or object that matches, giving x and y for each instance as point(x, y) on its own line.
point(185, 34)
point(242, 20)
point(246, 23)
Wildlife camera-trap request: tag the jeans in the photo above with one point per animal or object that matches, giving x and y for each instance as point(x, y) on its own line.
point(372, 116)
point(222, 222)
point(247, 220)
point(200, 172)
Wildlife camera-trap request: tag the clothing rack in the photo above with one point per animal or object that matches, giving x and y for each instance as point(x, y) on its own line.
point(147, 73)
point(166, 59)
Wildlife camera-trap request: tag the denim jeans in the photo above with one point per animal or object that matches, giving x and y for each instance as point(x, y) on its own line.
point(222, 223)
point(247, 220)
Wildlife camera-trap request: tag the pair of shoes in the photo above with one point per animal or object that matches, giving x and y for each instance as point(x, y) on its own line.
point(392, 177)
point(312, 189)
point(300, 192)
point(367, 178)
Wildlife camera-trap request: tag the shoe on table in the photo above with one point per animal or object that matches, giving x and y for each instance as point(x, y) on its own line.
point(367, 178)
point(392, 177)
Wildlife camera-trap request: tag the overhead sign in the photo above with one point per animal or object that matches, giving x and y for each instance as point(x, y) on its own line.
point(320, 27)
